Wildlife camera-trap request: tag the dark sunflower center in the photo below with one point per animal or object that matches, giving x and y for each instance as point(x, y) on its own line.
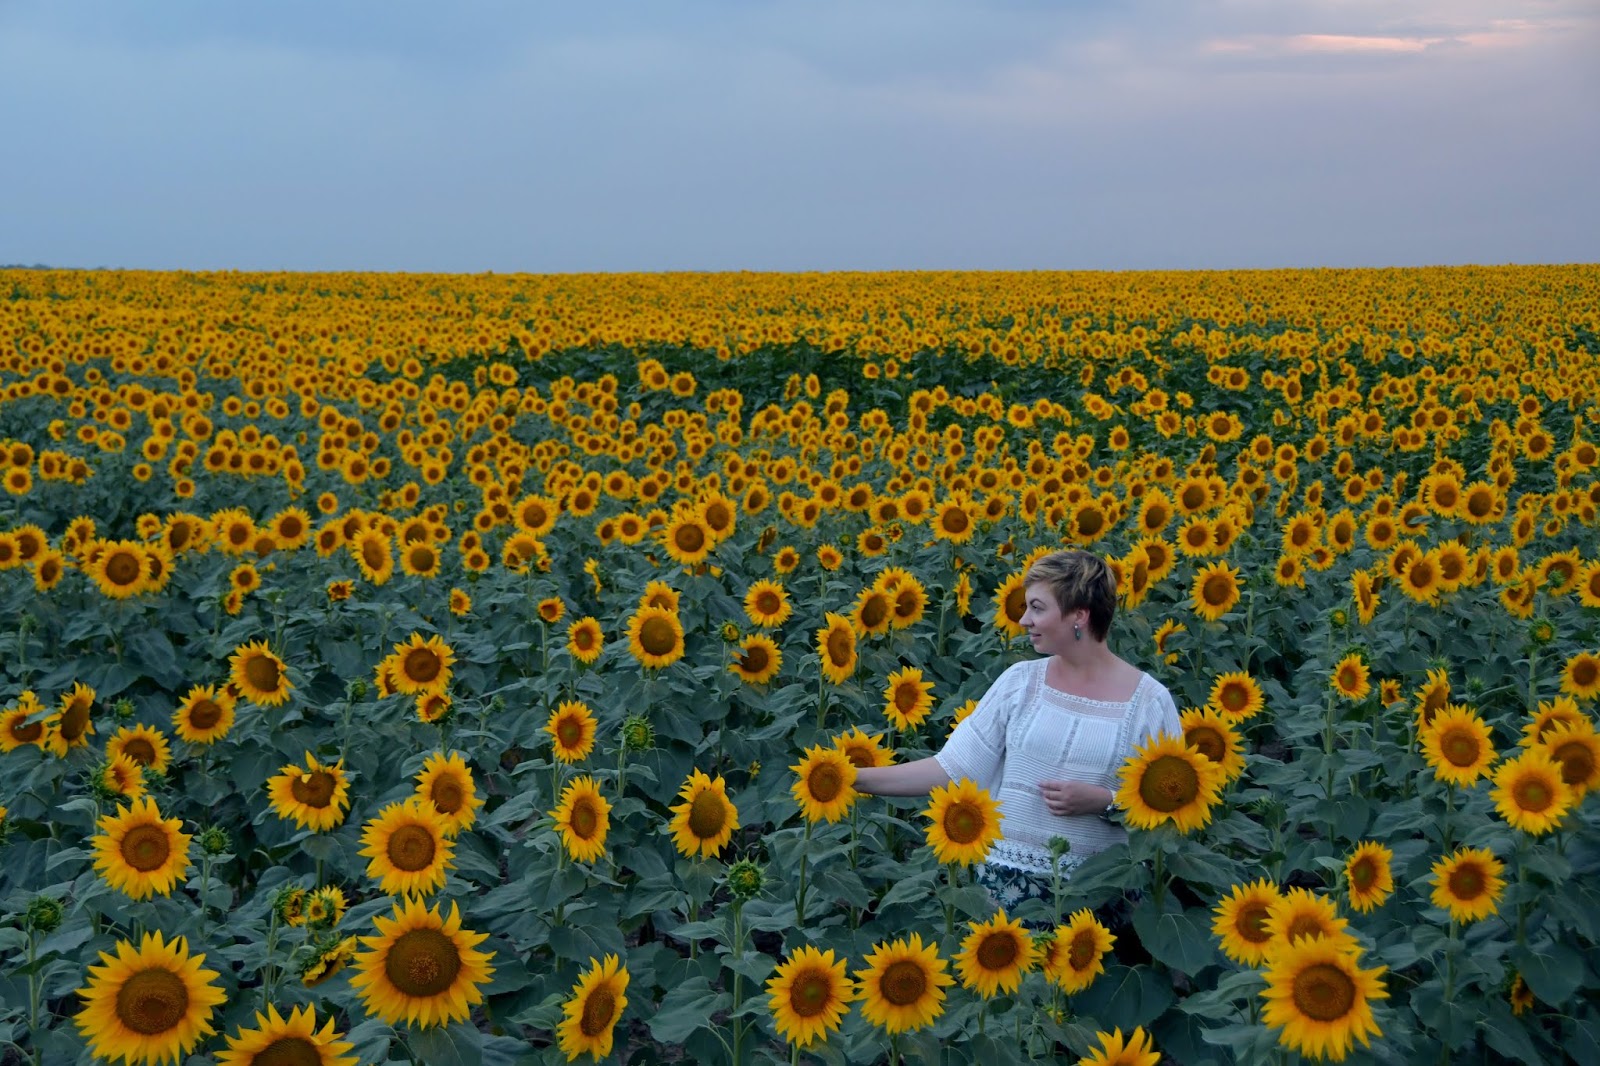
point(599, 1011)
point(123, 568)
point(1364, 874)
point(1169, 783)
point(1584, 672)
point(999, 951)
point(1251, 924)
point(74, 720)
point(1324, 992)
point(1460, 748)
point(262, 672)
point(314, 789)
point(754, 659)
point(1349, 679)
point(26, 732)
point(1016, 604)
point(1082, 950)
point(810, 993)
point(906, 697)
point(690, 538)
point(1533, 794)
point(411, 848)
point(447, 794)
point(152, 1001)
point(825, 782)
point(146, 848)
point(374, 555)
point(1304, 925)
point(904, 983)
point(1577, 762)
point(140, 751)
point(1217, 590)
point(656, 636)
point(585, 820)
point(583, 639)
point(569, 730)
point(204, 714)
point(1208, 741)
point(422, 665)
point(707, 816)
point(963, 822)
point(1466, 882)
point(422, 963)
point(767, 603)
point(954, 521)
point(1234, 699)
point(874, 611)
point(906, 603)
point(860, 757)
point(288, 1051)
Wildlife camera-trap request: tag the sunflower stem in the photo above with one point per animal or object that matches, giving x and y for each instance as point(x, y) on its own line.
point(33, 994)
point(800, 897)
point(1522, 880)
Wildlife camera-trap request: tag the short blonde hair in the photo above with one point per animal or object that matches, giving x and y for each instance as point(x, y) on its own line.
point(1079, 580)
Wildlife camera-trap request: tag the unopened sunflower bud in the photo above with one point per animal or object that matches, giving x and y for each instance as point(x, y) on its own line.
point(289, 904)
point(1541, 631)
point(44, 914)
point(745, 879)
point(215, 841)
point(356, 690)
point(638, 734)
point(122, 709)
point(730, 633)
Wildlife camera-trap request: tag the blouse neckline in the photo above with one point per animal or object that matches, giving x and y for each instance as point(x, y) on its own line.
point(1045, 684)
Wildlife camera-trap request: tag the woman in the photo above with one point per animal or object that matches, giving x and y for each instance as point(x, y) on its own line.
point(1049, 738)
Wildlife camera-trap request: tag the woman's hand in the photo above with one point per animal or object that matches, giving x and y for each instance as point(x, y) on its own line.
point(1074, 798)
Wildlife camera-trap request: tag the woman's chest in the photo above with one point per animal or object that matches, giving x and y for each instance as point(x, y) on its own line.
point(1054, 737)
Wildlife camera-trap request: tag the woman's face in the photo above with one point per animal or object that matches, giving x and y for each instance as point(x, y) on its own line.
point(1048, 629)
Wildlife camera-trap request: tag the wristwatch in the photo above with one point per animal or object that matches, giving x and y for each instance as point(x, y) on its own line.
point(1110, 809)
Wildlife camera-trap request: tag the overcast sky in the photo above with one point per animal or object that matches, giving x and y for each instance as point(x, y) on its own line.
point(817, 135)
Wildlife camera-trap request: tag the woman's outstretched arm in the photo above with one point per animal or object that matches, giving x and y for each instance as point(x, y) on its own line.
point(906, 779)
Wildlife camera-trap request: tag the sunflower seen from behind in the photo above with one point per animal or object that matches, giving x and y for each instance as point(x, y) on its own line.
point(592, 1010)
point(408, 849)
point(995, 955)
point(809, 995)
point(1320, 998)
point(706, 819)
point(1166, 781)
point(824, 784)
point(964, 822)
point(148, 1004)
point(422, 969)
point(140, 853)
point(259, 675)
point(315, 796)
point(280, 1041)
point(446, 782)
point(902, 986)
point(583, 818)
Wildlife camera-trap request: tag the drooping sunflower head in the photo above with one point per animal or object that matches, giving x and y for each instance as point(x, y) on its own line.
point(824, 785)
point(706, 819)
point(1167, 781)
point(809, 995)
point(1240, 921)
point(964, 822)
point(422, 969)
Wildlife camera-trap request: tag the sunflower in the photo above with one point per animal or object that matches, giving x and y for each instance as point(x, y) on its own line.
point(908, 602)
point(995, 955)
point(585, 640)
point(808, 995)
point(572, 730)
point(144, 744)
point(245, 578)
point(325, 906)
point(446, 782)
point(1530, 793)
point(1299, 913)
point(1216, 739)
point(1520, 995)
point(73, 720)
point(687, 539)
point(15, 729)
point(655, 637)
point(1368, 876)
point(704, 822)
point(1468, 884)
point(1077, 951)
point(370, 549)
point(1321, 999)
point(535, 515)
point(1580, 678)
point(259, 675)
point(589, 1017)
point(314, 797)
point(551, 609)
point(150, 1003)
point(836, 645)
point(328, 961)
point(408, 847)
point(964, 822)
point(757, 661)
point(120, 570)
point(205, 715)
point(1351, 678)
point(1165, 780)
point(863, 749)
point(1576, 747)
point(824, 784)
point(903, 985)
point(907, 698)
point(422, 666)
point(1010, 603)
point(422, 968)
point(460, 602)
point(1236, 696)
point(872, 613)
point(140, 853)
point(1458, 746)
point(1548, 715)
point(583, 818)
point(954, 520)
point(1215, 591)
point(1240, 922)
point(766, 604)
point(121, 776)
point(1136, 1050)
point(294, 1039)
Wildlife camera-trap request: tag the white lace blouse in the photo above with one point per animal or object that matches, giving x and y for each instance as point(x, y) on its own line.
point(1023, 732)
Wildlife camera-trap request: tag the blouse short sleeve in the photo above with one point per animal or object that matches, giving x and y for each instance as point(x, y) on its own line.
point(977, 748)
point(1159, 715)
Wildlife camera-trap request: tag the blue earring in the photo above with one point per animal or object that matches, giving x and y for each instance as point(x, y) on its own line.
point(1077, 632)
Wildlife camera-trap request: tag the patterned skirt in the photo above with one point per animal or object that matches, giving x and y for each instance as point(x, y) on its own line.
point(1010, 886)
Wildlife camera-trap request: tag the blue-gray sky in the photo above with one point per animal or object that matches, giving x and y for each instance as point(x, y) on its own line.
point(815, 135)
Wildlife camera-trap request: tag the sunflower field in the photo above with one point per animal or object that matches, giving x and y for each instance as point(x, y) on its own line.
point(463, 670)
